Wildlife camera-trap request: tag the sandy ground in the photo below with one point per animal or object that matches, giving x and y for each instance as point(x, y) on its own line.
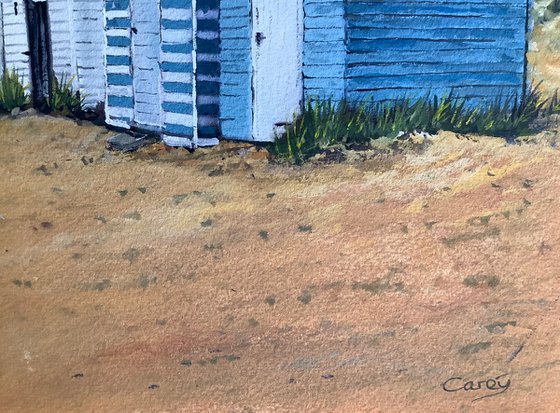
point(216, 282)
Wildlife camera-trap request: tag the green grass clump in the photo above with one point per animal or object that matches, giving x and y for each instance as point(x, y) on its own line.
point(63, 98)
point(12, 91)
point(326, 124)
point(554, 6)
point(553, 105)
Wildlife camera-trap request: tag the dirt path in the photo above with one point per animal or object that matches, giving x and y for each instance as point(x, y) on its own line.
point(214, 282)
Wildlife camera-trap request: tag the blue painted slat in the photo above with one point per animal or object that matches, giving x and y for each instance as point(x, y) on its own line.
point(384, 21)
point(475, 56)
point(475, 95)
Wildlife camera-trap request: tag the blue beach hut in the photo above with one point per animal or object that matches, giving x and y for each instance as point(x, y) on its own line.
point(194, 71)
point(277, 54)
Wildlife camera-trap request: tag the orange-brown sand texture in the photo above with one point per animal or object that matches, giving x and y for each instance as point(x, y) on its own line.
point(166, 281)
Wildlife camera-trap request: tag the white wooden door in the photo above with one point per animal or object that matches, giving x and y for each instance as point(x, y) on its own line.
point(277, 64)
point(145, 63)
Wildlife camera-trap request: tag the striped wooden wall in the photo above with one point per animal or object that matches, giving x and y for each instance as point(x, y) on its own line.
point(176, 62)
point(150, 70)
point(236, 99)
point(410, 48)
point(119, 101)
point(146, 79)
point(208, 68)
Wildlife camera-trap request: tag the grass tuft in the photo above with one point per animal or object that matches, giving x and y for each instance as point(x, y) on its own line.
point(325, 124)
point(63, 98)
point(554, 6)
point(12, 91)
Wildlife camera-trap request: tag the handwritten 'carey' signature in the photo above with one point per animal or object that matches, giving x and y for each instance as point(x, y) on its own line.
point(496, 385)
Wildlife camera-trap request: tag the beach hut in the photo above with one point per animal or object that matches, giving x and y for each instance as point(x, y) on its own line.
point(62, 36)
point(163, 69)
point(194, 71)
point(277, 54)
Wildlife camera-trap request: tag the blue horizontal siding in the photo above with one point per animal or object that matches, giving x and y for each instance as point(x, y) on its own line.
point(208, 68)
point(324, 49)
point(177, 78)
point(475, 95)
point(236, 101)
point(120, 101)
point(173, 54)
point(390, 49)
